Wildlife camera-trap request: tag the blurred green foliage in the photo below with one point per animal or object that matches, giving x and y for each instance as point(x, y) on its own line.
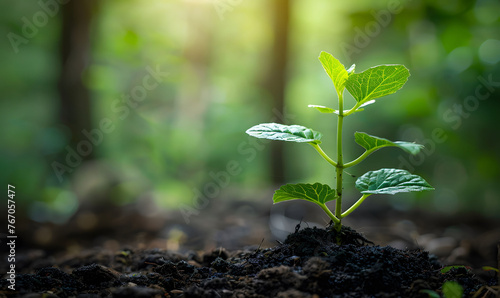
point(189, 127)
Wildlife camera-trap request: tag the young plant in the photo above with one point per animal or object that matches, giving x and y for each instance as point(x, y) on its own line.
point(365, 87)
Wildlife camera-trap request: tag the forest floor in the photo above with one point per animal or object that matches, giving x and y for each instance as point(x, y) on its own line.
point(241, 250)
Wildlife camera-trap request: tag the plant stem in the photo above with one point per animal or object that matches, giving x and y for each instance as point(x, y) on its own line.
point(355, 205)
point(356, 106)
point(340, 166)
point(361, 157)
point(322, 153)
point(335, 219)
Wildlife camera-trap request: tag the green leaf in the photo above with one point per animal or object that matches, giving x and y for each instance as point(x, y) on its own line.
point(390, 181)
point(317, 193)
point(351, 69)
point(489, 268)
point(366, 103)
point(448, 268)
point(335, 70)
point(376, 82)
point(280, 132)
point(452, 289)
point(328, 110)
point(431, 293)
point(324, 109)
point(373, 143)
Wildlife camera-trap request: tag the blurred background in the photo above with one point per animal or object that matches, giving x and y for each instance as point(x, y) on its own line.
point(126, 119)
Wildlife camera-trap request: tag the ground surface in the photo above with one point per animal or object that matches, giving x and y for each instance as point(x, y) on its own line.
point(234, 248)
point(308, 263)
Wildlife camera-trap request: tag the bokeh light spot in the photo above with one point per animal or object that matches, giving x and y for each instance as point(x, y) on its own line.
point(460, 59)
point(486, 11)
point(489, 51)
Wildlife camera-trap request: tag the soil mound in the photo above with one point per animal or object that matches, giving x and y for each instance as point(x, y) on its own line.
point(309, 263)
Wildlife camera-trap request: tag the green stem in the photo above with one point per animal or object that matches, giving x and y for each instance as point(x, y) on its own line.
point(340, 165)
point(322, 153)
point(335, 219)
point(362, 156)
point(356, 106)
point(356, 205)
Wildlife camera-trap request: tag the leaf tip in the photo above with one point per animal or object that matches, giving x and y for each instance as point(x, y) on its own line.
point(322, 53)
point(351, 69)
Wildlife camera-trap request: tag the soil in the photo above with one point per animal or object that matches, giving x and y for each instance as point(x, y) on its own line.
point(309, 263)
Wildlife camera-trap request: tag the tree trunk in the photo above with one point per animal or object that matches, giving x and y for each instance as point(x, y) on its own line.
point(279, 58)
point(75, 51)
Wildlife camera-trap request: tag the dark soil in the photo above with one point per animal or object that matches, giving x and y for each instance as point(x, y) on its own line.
point(308, 264)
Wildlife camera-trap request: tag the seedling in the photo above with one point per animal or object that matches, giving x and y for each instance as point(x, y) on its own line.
point(365, 87)
point(450, 289)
